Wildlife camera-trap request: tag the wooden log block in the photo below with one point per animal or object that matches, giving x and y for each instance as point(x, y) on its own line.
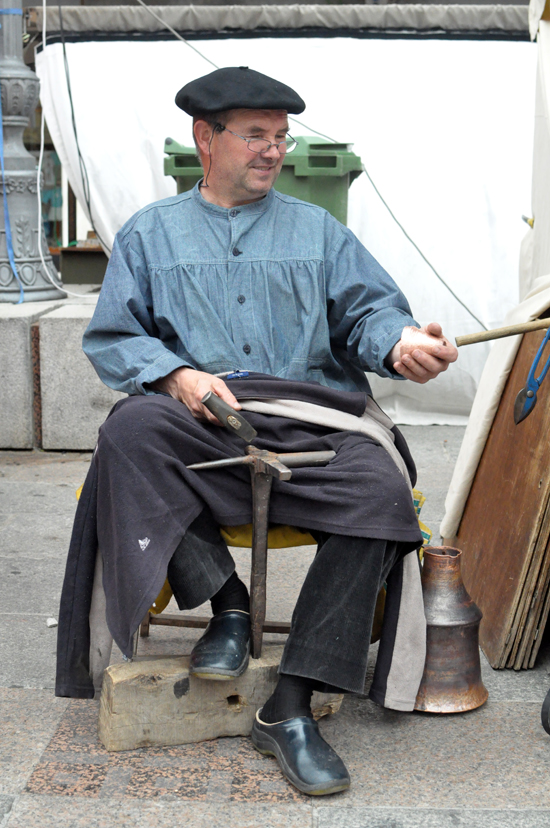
point(156, 702)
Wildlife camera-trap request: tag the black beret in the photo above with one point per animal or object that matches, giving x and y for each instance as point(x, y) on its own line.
point(237, 87)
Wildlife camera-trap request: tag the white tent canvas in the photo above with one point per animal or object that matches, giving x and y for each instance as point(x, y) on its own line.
point(445, 129)
point(535, 294)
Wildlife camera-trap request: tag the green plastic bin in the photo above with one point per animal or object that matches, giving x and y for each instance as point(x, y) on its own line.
point(183, 164)
point(321, 173)
point(317, 171)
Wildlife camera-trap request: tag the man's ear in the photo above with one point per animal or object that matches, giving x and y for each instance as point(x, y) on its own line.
point(203, 133)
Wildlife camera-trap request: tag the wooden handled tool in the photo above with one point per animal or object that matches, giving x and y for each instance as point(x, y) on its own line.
point(498, 333)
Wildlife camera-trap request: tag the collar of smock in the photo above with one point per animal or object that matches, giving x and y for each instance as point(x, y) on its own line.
point(223, 212)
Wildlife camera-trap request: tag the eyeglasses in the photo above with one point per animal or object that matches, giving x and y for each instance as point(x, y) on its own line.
point(261, 145)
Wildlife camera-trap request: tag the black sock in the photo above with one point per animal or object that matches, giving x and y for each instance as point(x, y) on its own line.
point(291, 698)
point(232, 596)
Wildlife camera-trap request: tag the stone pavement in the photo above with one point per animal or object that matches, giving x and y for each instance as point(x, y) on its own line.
point(488, 768)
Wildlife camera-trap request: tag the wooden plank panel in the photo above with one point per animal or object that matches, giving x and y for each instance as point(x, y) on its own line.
point(533, 635)
point(505, 508)
point(538, 578)
point(534, 582)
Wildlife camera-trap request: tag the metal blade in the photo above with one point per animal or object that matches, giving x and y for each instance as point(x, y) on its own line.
point(524, 404)
point(218, 464)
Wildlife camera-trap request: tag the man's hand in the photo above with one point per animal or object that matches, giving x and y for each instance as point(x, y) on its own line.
point(422, 353)
point(190, 386)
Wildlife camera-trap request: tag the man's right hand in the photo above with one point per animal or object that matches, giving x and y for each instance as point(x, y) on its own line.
point(190, 386)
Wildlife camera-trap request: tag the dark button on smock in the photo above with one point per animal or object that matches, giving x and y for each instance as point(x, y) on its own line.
point(247, 348)
point(236, 251)
point(234, 213)
point(241, 299)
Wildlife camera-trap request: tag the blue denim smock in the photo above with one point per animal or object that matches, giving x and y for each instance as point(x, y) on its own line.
point(278, 286)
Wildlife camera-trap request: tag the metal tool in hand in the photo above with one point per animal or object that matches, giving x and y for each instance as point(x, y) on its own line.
point(228, 417)
point(527, 397)
point(264, 466)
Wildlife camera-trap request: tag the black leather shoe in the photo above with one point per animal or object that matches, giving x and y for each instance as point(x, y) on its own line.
point(222, 652)
point(303, 755)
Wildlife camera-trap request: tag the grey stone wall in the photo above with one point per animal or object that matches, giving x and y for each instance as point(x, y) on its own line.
point(74, 400)
point(16, 375)
point(63, 395)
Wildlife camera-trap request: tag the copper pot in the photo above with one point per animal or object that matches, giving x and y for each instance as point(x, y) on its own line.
point(452, 674)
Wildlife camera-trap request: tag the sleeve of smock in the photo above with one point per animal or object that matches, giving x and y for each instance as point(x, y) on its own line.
point(366, 310)
point(122, 341)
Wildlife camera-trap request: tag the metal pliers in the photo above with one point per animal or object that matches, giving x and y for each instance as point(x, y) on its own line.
point(527, 397)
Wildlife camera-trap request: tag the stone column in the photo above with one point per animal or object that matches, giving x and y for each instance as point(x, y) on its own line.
point(20, 88)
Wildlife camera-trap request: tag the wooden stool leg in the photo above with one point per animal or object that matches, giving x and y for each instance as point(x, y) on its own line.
point(144, 626)
point(261, 488)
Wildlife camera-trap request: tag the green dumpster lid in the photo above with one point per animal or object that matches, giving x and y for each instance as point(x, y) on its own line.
point(172, 147)
point(180, 160)
point(313, 156)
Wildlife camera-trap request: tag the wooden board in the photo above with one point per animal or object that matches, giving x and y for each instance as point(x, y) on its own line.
point(500, 532)
point(528, 608)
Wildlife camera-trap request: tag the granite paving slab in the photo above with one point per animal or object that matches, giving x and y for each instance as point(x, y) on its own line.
point(6, 803)
point(27, 721)
point(22, 590)
point(37, 496)
point(434, 450)
point(27, 651)
point(433, 446)
point(424, 818)
point(45, 466)
point(83, 812)
point(497, 756)
point(222, 770)
point(37, 535)
point(519, 686)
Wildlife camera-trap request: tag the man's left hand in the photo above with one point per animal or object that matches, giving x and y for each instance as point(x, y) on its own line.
point(422, 353)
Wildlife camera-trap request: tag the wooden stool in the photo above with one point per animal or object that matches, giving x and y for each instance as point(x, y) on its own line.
point(264, 466)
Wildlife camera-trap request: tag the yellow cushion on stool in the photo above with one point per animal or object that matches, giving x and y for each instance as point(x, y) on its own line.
point(163, 599)
point(278, 536)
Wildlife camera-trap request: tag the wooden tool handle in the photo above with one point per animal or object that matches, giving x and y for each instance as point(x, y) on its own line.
point(498, 333)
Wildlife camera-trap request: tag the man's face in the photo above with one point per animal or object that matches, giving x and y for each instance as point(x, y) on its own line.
point(238, 175)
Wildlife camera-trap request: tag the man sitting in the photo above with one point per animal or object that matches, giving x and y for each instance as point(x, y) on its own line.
point(234, 275)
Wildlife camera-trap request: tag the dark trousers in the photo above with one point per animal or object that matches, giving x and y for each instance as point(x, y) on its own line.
point(332, 621)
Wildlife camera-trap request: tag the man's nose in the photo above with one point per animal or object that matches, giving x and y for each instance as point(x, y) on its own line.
point(272, 152)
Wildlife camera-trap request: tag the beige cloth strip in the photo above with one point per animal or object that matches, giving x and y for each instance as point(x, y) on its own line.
point(373, 423)
point(409, 644)
point(409, 648)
